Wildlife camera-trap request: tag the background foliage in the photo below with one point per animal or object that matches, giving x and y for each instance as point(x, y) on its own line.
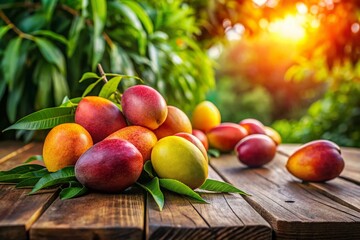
point(47, 45)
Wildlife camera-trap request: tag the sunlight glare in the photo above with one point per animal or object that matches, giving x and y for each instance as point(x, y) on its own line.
point(259, 2)
point(289, 28)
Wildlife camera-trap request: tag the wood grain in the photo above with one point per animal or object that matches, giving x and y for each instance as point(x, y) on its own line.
point(18, 211)
point(293, 209)
point(227, 216)
point(93, 216)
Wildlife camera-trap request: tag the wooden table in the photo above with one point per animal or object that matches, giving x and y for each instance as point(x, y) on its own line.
point(281, 207)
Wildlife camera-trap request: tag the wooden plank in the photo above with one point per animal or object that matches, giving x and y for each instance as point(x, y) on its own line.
point(93, 216)
point(20, 156)
point(293, 209)
point(18, 211)
point(9, 149)
point(227, 216)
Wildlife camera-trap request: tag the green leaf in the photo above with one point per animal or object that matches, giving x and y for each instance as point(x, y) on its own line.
point(153, 188)
point(218, 186)
point(45, 119)
point(42, 77)
point(28, 182)
point(4, 30)
point(13, 100)
point(48, 7)
point(38, 173)
point(214, 152)
point(99, 18)
point(77, 25)
point(180, 188)
point(51, 34)
point(22, 169)
point(66, 102)
point(51, 53)
point(88, 75)
point(34, 158)
point(10, 60)
point(75, 189)
point(61, 87)
point(91, 87)
point(148, 168)
point(60, 177)
point(110, 87)
point(11, 178)
point(141, 14)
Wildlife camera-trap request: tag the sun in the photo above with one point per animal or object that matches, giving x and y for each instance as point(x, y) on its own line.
point(290, 28)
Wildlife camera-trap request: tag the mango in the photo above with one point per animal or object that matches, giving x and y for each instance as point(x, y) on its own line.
point(99, 116)
point(253, 126)
point(316, 161)
point(205, 116)
point(255, 150)
point(202, 137)
point(225, 136)
point(273, 134)
point(144, 106)
point(111, 166)
point(194, 140)
point(143, 139)
point(64, 144)
point(175, 122)
point(177, 158)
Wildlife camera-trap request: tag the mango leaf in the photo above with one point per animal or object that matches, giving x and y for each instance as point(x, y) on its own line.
point(10, 60)
point(48, 7)
point(141, 14)
point(180, 188)
point(51, 34)
point(88, 75)
point(66, 102)
point(13, 100)
point(91, 87)
point(61, 87)
point(218, 186)
point(38, 173)
point(77, 25)
point(28, 182)
point(34, 158)
point(214, 152)
point(110, 87)
point(4, 30)
point(59, 177)
point(75, 189)
point(22, 169)
point(153, 188)
point(51, 53)
point(45, 119)
point(148, 168)
point(11, 178)
point(99, 18)
point(42, 77)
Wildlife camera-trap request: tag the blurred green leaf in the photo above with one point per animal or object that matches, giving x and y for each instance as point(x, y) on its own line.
point(61, 87)
point(10, 60)
point(45, 119)
point(88, 75)
point(141, 14)
point(91, 87)
point(76, 27)
point(4, 30)
point(43, 77)
point(51, 34)
point(51, 53)
point(13, 101)
point(75, 189)
point(48, 7)
point(99, 17)
point(34, 158)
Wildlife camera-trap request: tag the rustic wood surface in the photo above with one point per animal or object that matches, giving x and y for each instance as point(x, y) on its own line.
point(280, 207)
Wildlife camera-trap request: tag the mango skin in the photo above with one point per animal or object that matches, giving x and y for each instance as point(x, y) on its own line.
point(144, 106)
point(194, 140)
point(111, 166)
point(202, 137)
point(316, 161)
point(252, 126)
point(175, 122)
point(99, 116)
point(256, 150)
point(64, 144)
point(225, 136)
point(177, 158)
